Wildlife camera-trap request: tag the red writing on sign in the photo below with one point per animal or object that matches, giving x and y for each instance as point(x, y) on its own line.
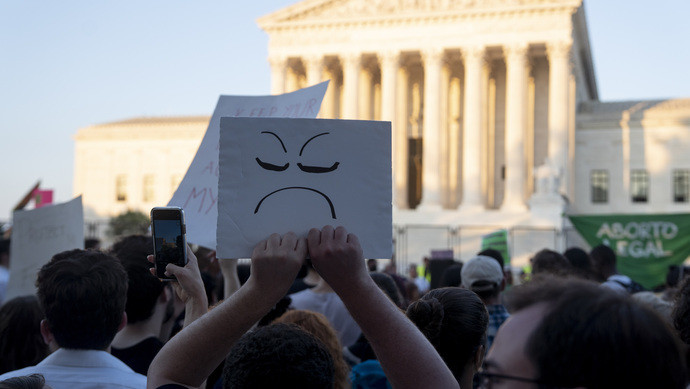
point(203, 197)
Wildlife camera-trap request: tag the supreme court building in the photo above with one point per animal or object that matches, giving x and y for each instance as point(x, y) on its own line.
point(495, 116)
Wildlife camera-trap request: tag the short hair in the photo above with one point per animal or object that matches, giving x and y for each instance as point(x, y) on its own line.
point(282, 354)
point(495, 254)
point(83, 295)
point(32, 381)
point(596, 338)
point(552, 262)
point(455, 321)
point(603, 257)
point(144, 288)
point(580, 260)
point(92, 243)
point(319, 326)
point(21, 343)
point(386, 283)
point(452, 275)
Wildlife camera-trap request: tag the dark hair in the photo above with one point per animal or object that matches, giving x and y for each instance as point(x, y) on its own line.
point(92, 243)
point(4, 246)
point(278, 354)
point(83, 295)
point(454, 320)
point(388, 286)
point(144, 289)
point(32, 381)
point(681, 311)
point(603, 261)
point(596, 338)
point(581, 262)
point(452, 275)
point(319, 326)
point(21, 343)
point(552, 262)
point(495, 254)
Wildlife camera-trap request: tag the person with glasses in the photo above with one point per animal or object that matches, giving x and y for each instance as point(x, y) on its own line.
point(565, 333)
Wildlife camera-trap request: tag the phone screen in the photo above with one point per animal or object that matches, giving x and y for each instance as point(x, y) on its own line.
point(169, 240)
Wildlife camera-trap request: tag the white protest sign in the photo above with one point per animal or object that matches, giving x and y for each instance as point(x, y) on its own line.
point(197, 193)
point(281, 175)
point(39, 234)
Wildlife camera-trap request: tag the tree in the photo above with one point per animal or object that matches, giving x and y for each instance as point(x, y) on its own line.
point(128, 223)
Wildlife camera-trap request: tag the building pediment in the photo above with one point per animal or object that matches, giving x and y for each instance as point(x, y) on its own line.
point(321, 11)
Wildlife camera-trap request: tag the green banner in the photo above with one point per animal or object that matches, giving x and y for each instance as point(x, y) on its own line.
point(497, 240)
point(646, 245)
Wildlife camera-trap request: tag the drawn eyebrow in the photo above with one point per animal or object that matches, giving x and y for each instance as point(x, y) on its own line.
point(280, 140)
point(317, 169)
point(310, 139)
point(330, 203)
point(270, 166)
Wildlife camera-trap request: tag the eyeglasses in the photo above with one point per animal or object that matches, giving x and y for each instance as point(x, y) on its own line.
point(486, 380)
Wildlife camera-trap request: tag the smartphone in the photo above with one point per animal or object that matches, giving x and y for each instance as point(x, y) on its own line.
point(169, 241)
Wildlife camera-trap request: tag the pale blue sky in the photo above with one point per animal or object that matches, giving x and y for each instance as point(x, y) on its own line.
point(69, 64)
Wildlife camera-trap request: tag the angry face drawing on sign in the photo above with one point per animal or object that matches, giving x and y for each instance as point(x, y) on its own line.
point(304, 168)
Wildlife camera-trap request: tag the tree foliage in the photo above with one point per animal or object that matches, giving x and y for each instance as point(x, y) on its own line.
point(128, 223)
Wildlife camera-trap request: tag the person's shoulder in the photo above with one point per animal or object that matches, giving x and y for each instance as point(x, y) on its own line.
point(19, 372)
point(306, 294)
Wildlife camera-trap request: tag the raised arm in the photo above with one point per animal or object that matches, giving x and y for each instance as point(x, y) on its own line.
point(406, 356)
point(189, 357)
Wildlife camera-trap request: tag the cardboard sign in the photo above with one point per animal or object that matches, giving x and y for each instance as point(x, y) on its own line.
point(197, 193)
point(281, 175)
point(39, 234)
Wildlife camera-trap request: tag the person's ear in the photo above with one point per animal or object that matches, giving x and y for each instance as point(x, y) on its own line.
point(479, 357)
point(46, 333)
point(123, 323)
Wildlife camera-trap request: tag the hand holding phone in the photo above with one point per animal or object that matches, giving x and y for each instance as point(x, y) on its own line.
point(169, 241)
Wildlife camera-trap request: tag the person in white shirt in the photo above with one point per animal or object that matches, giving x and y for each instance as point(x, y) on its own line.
point(83, 296)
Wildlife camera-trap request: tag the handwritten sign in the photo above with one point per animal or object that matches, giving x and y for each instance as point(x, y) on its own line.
point(39, 234)
point(197, 193)
point(280, 175)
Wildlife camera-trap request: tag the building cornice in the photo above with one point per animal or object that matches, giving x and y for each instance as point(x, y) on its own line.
point(642, 113)
point(168, 128)
point(333, 14)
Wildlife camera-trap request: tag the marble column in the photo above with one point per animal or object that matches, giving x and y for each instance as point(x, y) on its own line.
point(431, 152)
point(516, 123)
point(390, 63)
point(278, 74)
point(472, 117)
point(559, 73)
point(314, 68)
point(351, 69)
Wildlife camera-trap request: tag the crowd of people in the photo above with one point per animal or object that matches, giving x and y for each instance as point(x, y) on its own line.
point(313, 313)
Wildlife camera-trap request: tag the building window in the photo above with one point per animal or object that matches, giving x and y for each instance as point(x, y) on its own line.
point(121, 187)
point(148, 187)
point(639, 186)
point(600, 186)
point(681, 186)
